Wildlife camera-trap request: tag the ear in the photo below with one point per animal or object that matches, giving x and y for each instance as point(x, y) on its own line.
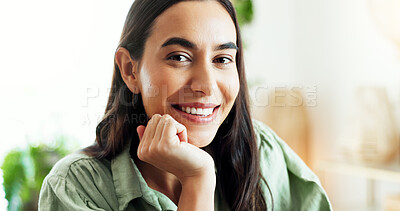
point(128, 69)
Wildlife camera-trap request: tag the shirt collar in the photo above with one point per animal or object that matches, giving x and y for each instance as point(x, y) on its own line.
point(130, 184)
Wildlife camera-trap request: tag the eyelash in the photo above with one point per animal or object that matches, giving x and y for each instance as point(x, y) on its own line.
point(174, 58)
point(225, 58)
point(177, 57)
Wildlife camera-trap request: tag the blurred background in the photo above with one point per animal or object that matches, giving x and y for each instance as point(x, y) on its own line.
point(325, 75)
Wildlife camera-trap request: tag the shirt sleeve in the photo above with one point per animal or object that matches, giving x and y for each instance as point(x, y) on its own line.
point(58, 194)
point(78, 182)
point(292, 184)
point(306, 190)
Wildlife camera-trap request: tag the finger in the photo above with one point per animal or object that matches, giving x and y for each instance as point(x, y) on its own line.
point(149, 132)
point(151, 127)
point(168, 130)
point(140, 130)
point(159, 131)
point(181, 132)
point(174, 128)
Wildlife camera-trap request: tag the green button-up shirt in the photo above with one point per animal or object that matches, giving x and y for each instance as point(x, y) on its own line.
point(79, 182)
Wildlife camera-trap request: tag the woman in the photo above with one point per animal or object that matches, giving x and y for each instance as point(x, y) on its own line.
point(177, 132)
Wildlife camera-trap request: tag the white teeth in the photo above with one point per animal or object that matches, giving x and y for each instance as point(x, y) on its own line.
point(198, 111)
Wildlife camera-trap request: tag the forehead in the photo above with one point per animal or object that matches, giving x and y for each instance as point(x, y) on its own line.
point(202, 22)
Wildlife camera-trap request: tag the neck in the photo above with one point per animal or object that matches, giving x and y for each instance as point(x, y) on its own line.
point(160, 180)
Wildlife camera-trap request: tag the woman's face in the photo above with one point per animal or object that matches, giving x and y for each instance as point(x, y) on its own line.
point(188, 68)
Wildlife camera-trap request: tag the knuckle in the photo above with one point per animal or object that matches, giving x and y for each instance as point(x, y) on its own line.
point(162, 119)
point(165, 119)
point(140, 154)
point(144, 153)
point(169, 120)
point(155, 117)
point(171, 123)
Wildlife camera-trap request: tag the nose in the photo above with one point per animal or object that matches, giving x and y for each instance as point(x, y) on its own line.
point(203, 79)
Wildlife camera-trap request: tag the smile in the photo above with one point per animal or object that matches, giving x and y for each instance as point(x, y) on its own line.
point(197, 112)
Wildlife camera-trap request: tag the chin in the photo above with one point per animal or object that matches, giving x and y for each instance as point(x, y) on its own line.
point(200, 139)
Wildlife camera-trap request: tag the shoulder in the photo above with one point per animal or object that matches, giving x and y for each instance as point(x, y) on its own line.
point(270, 143)
point(77, 161)
point(79, 172)
point(266, 137)
point(292, 183)
point(78, 182)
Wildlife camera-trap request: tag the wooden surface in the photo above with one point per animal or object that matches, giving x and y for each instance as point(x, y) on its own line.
point(389, 173)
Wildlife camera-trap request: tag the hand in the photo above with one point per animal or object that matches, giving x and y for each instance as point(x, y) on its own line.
point(164, 144)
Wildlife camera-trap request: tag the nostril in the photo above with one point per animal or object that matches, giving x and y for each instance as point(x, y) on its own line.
point(206, 88)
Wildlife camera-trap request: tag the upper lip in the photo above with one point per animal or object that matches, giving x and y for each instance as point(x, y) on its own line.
point(197, 105)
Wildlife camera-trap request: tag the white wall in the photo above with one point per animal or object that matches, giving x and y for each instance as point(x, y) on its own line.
point(335, 46)
point(53, 55)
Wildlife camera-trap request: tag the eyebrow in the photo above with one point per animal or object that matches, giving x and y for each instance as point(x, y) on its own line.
point(179, 41)
point(187, 44)
point(229, 45)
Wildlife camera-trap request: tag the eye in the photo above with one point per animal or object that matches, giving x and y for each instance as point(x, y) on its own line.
point(178, 58)
point(223, 60)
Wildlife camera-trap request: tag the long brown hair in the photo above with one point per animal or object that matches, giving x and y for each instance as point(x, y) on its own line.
point(234, 147)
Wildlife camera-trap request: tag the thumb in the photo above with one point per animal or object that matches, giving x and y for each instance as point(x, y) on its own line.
point(140, 130)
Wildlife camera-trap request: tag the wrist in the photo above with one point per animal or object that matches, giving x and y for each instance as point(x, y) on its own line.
point(205, 179)
point(205, 175)
point(205, 172)
point(198, 193)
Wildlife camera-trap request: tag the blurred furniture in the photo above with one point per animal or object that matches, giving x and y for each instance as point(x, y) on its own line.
point(374, 137)
point(286, 114)
point(392, 203)
point(372, 172)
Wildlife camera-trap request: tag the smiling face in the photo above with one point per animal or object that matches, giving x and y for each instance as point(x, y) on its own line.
point(188, 68)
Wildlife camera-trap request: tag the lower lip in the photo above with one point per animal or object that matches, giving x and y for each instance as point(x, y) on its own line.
point(199, 119)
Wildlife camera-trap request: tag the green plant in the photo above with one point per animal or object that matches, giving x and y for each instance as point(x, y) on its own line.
point(24, 171)
point(244, 11)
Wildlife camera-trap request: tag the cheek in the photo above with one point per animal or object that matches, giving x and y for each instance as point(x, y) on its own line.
point(236, 89)
point(156, 87)
point(151, 91)
point(231, 88)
